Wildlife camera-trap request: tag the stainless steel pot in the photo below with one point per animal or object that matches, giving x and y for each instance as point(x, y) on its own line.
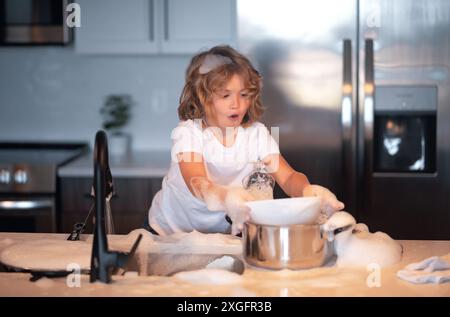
point(284, 247)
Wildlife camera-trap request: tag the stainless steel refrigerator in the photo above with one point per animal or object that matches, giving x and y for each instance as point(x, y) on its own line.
point(360, 91)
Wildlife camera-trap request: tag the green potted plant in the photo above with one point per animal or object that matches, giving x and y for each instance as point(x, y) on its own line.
point(116, 115)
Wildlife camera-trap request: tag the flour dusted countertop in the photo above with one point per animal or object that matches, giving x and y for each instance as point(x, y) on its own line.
point(323, 281)
point(136, 164)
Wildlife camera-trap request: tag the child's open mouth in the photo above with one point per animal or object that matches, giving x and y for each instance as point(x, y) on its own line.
point(234, 116)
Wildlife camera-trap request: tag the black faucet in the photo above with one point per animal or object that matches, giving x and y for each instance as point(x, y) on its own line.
point(103, 261)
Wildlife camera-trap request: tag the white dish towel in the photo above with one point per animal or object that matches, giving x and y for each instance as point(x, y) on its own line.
point(432, 270)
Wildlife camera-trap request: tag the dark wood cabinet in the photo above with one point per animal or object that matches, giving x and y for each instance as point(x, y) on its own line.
point(129, 205)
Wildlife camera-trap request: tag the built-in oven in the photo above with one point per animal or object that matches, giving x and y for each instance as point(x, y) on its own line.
point(27, 214)
point(28, 184)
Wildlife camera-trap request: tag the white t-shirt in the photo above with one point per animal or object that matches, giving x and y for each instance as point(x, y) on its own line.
point(174, 208)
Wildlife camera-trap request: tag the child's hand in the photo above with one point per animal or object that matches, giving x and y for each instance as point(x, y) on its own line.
point(212, 194)
point(220, 198)
point(329, 202)
point(236, 208)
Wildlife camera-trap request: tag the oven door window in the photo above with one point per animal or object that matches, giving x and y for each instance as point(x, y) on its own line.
point(27, 215)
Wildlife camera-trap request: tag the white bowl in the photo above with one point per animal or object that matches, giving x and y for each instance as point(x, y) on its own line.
point(286, 211)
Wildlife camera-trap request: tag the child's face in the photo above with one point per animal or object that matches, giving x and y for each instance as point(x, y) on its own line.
point(230, 104)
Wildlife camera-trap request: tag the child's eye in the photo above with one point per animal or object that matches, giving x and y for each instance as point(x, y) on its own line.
point(226, 96)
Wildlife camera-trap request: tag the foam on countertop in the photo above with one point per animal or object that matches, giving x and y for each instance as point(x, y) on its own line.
point(47, 254)
point(210, 276)
point(155, 255)
point(323, 281)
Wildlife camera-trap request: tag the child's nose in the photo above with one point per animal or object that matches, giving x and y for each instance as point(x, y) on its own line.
point(236, 103)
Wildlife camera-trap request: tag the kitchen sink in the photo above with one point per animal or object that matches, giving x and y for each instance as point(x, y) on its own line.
point(165, 256)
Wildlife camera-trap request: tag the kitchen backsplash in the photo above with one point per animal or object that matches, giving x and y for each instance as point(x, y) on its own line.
point(52, 93)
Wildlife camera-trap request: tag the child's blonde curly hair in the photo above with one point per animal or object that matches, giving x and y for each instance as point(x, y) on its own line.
point(197, 95)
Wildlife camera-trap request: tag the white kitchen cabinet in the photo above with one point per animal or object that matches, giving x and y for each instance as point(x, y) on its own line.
point(154, 26)
point(192, 25)
point(117, 27)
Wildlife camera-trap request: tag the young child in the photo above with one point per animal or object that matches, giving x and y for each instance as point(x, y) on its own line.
point(216, 146)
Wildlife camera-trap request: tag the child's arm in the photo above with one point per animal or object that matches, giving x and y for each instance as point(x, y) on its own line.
point(191, 165)
point(292, 182)
point(296, 184)
point(194, 174)
point(216, 197)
